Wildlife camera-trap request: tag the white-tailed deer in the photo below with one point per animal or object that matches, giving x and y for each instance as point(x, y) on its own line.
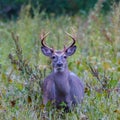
point(61, 85)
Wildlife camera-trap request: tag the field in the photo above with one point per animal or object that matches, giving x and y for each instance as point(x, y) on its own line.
point(96, 61)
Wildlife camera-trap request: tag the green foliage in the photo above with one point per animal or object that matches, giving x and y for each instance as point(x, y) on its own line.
point(11, 9)
point(23, 67)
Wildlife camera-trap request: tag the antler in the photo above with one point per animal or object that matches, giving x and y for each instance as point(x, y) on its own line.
point(42, 37)
point(73, 38)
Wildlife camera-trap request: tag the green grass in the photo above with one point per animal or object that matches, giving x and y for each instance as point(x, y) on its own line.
point(98, 49)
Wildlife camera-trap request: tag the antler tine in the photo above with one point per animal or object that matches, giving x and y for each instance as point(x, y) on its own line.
point(42, 37)
point(73, 38)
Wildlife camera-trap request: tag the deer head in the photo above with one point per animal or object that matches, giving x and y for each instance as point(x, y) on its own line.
point(58, 57)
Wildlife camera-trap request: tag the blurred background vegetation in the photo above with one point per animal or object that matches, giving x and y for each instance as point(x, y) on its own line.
point(23, 67)
point(10, 8)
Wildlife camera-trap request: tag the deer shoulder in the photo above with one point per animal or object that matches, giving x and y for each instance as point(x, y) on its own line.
point(77, 88)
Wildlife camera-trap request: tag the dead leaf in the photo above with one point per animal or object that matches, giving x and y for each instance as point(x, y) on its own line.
point(117, 111)
point(29, 99)
point(13, 102)
point(42, 106)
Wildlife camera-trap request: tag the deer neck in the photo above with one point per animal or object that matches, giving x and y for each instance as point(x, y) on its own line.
point(61, 75)
point(62, 82)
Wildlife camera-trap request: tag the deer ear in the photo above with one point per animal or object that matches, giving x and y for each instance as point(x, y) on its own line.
point(71, 50)
point(47, 51)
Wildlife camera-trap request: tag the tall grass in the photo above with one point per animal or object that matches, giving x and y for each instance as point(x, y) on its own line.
point(97, 61)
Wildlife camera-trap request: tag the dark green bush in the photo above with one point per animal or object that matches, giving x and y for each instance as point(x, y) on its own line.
point(9, 8)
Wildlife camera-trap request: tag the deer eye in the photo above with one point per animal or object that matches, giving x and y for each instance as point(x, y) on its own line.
point(53, 57)
point(65, 57)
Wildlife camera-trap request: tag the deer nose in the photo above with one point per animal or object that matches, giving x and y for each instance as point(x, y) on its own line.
point(59, 64)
